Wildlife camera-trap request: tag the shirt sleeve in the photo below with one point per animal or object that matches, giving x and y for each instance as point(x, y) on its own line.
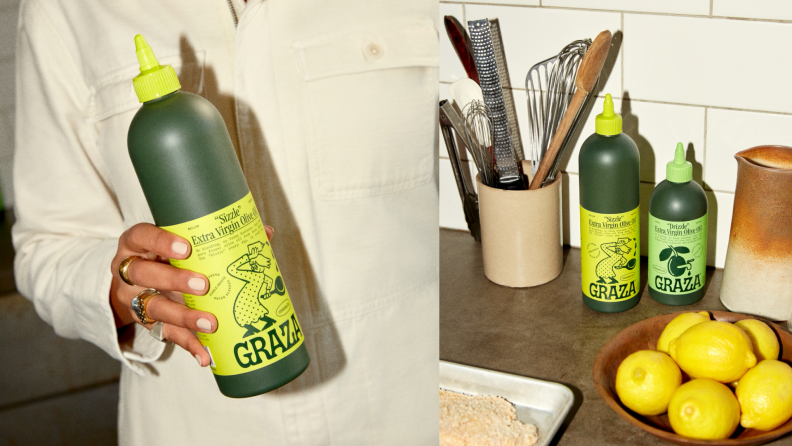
point(68, 220)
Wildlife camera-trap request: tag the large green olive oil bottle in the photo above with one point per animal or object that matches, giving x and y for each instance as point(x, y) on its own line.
point(609, 216)
point(194, 185)
point(677, 235)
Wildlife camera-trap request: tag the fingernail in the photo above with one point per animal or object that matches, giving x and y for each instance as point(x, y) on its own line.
point(269, 230)
point(179, 247)
point(204, 324)
point(198, 358)
point(196, 283)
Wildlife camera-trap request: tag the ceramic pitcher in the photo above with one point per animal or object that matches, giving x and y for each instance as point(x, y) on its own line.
point(757, 276)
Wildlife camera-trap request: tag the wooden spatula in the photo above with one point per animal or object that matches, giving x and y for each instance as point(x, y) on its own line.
point(585, 81)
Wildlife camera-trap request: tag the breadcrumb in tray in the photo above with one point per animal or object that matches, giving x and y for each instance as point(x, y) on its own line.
point(467, 420)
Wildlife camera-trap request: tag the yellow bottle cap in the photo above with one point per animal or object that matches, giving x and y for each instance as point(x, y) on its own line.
point(679, 170)
point(608, 122)
point(154, 80)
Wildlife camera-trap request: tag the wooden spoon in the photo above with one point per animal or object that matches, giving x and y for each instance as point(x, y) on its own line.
point(585, 80)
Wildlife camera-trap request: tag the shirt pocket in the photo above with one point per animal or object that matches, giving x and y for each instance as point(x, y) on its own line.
point(114, 94)
point(371, 101)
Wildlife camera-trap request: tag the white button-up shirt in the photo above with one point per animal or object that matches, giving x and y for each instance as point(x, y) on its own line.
point(332, 107)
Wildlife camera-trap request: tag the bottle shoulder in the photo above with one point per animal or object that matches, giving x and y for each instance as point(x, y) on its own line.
point(678, 201)
point(609, 174)
point(597, 142)
point(178, 113)
point(607, 150)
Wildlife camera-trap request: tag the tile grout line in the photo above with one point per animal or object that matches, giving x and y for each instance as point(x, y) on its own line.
point(621, 53)
point(52, 396)
point(652, 101)
point(464, 15)
point(710, 14)
point(669, 14)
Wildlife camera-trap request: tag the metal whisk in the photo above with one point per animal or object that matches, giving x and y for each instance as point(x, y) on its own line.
point(479, 140)
point(549, 86)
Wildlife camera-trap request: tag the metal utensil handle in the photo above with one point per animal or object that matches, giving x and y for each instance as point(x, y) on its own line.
point(469, 199)
point(484, 55)
point(453, 153)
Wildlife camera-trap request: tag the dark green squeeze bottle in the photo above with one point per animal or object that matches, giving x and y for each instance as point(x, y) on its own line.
point(194, 186)
point(609, 216)
point(677, 235)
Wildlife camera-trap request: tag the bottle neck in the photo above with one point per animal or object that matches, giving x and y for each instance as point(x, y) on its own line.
point(173, 93)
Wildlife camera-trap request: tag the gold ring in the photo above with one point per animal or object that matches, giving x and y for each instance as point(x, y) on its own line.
point(123, 269)
point(139, 305)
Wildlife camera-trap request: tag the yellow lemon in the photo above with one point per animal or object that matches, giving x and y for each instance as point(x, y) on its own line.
point(705, 409)
point(765, 343)
point(713, 349)
point(678, 325)
point(765, 395)
point(646, 380)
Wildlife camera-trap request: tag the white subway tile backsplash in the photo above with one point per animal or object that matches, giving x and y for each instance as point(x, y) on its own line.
point(754, 9)
point(531, 35)
point(8, 26)
point(704, 61)
point(717, 85)
point(507, 2)
point(450, 67)
point(719, 219)
point(730, 131)
point(570, 209)
point(688, 7)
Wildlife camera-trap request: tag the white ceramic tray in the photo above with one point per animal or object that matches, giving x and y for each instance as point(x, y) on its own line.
point(542, 403)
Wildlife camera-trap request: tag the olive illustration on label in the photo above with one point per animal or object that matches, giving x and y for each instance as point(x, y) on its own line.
point(677, 265)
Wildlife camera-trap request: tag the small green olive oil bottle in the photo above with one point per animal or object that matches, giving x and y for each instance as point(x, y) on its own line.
point(677, 236)
point(194, 186)
point(609, 216)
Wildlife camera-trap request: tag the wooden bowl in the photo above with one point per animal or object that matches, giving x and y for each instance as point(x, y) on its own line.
point(643, 336)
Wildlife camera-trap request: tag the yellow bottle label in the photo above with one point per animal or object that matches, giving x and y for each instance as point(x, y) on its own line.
point(610, 255)
point(256, 324)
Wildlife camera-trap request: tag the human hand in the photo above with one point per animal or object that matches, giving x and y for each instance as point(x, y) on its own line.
point(155, 246)
point(254, 249)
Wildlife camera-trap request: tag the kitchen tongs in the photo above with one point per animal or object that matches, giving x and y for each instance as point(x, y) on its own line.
point(450, 120)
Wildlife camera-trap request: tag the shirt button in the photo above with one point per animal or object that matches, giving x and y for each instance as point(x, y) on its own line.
point(373, 52)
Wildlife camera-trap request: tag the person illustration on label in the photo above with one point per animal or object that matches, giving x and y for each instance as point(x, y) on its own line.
point(249, 308)
point(606, 268)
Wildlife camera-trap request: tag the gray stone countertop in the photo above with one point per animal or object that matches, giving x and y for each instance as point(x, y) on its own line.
point(545, 332)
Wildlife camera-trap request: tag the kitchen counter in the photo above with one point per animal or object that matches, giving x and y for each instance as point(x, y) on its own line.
point(545, 332)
